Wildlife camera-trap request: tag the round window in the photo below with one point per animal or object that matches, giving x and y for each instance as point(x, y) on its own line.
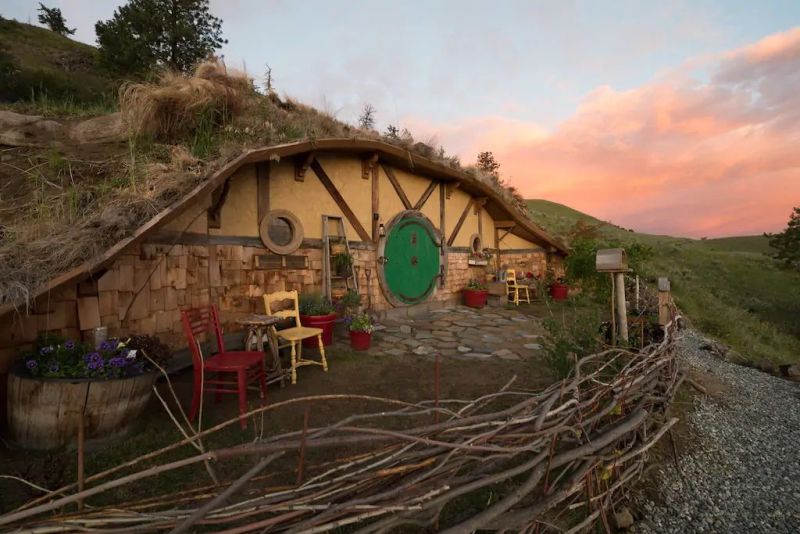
point(475, 244)
point(281, 231)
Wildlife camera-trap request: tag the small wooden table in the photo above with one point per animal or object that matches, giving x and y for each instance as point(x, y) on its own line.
point(258, 326)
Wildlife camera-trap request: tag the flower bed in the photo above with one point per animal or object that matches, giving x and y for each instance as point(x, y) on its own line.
point(62, 384)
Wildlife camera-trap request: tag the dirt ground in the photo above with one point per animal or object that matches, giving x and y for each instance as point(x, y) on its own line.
point(409, 377)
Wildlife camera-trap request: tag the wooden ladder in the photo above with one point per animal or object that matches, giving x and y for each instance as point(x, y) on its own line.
point(330, 280)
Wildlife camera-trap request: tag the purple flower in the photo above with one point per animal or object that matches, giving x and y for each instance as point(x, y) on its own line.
point(69, 344)
point(118, 362)
point(93, 361)
point(31, 364)
point(107, 345)
point(54, 367)
point(46, 350)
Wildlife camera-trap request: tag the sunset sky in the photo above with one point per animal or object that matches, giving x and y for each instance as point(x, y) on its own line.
point(676, 117)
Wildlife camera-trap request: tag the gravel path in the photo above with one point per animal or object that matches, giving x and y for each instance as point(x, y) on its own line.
point(742, 469)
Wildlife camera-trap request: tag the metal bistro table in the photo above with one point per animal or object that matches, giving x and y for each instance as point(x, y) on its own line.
point(258, 326)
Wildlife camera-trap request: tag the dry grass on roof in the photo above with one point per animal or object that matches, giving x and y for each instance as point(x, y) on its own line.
point(62, 206)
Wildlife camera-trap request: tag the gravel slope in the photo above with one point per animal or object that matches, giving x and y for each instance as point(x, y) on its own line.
point(742, 470)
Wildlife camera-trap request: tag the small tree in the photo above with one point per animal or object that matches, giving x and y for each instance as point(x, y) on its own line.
point(488, 164)
point(144, 34)
point(392, 132)
point(53, 19)
point(268, 81)
point(367, 119)
point(787, 243)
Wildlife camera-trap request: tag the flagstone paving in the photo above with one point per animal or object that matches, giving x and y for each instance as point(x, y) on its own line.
point(461, 333)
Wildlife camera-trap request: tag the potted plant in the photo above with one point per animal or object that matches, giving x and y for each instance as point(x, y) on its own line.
point(360, 327)
point(475, 294)
point(317, 311)
point(61, 384)
point(338, 247)
point(342, 264)
point(557, 286)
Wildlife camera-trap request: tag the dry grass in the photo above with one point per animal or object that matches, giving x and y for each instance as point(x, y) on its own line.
point(181, 129)
point(172, 108)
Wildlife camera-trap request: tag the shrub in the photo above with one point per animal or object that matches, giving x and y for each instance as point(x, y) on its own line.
point(476, 285)
point(360, 323)
point(315, 304)
point(572, 336)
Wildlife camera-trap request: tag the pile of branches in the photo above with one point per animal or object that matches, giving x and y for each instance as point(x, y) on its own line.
point(558, 459)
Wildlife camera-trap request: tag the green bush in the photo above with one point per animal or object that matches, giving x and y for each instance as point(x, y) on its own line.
point(572, 335)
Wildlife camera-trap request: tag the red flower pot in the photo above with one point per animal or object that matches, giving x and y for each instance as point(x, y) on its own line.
point(360, 340)
point(559, 291)
point(319, 321)
point(475, 298)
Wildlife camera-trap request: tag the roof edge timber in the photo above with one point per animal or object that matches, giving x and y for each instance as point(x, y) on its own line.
point(396, 155)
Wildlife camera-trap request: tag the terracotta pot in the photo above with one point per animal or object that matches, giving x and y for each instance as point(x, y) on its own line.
point(360, 340)
point(44, 413)
point(559, 291)
point(338, 248)
point(319, 321)
point(475, 298)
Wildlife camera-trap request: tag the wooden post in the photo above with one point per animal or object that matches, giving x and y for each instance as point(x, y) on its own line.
point(81, 439)
point(613, 314)
point(436, 387)
point(637, 293)
point(663, 301)
point(622, 312)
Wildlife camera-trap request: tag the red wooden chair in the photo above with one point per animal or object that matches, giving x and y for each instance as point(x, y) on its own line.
point(209, 373)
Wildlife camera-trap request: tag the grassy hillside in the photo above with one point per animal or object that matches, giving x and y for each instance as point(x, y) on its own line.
point(729, 288)
point(40, 67)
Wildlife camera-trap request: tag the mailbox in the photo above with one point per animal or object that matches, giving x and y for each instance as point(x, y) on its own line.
point(611, 260)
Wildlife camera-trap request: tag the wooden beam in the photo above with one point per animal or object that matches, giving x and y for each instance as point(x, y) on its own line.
point(339, 199)
point(452, 186)
point(441, 209)
point(425, 195)
point(504, 224)
point(497, 249)
point(301, 166)
point(479, 202)
point(262, 188)
point(508, 231)
point(218, 198)
point(376, 202)
point(367, 166)
point(460, 222)
point(397, 187)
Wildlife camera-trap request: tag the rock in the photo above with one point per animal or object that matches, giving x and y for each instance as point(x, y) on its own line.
point(510, 356)
point(396, 352)
point(532, 346)
point(464, 348)
point(623, 519)
point(422, 350)
point(405, 329)
point(502, 352)
point(791, 371)
point(478, 355)
point(15, 138)
point(51, 127)
point(423, 335)
point(9, 119)
point(104, 129)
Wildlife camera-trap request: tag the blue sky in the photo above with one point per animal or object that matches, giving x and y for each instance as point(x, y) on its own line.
point(691, 107)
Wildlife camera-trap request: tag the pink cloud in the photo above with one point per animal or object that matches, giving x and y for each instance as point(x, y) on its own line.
point(713, 158)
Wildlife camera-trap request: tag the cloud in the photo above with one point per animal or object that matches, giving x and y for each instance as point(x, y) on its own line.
point(677, 155)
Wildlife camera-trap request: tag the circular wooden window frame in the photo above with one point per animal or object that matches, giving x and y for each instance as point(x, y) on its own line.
point(296, 228)
point(472, 239)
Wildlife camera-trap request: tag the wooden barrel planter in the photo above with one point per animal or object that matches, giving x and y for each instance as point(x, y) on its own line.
point(44, 413)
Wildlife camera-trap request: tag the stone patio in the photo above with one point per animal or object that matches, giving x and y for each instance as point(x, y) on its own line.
point(461, 332)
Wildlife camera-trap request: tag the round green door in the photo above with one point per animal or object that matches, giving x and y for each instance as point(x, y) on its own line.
point(411, 260)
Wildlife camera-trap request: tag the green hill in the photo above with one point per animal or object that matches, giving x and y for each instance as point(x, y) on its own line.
point(728, 287)
point(38, 66)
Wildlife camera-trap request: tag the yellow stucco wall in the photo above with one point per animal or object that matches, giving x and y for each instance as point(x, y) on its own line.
point(512, 241)
point(239, 215)
point(192, 220)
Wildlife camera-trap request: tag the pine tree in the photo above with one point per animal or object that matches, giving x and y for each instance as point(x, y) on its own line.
point(144, 34)
point(53, 19)
point(488, 164)
point(787, 243)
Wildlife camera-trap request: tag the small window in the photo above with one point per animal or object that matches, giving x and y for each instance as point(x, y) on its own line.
point(475, 244)
point(281, 231)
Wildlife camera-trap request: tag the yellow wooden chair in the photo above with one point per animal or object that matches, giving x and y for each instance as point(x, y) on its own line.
point(293, 336)
point(515, 290)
